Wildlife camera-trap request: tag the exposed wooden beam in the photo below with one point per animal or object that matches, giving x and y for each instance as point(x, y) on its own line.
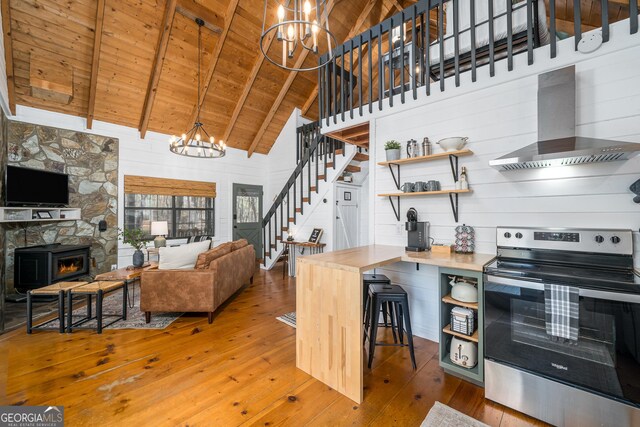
point(192, 10)
point(95, 62)
point(622, 2)
point(397, 5)
point(215, 55)
point(8, 54)
point(247, 87)
point(355, 30)
point(158, 61)
point(285, 89)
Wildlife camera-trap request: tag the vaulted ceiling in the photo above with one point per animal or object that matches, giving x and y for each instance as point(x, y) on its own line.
point(133, 63)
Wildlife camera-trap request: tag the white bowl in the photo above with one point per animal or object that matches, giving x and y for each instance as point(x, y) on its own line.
point(453, 143)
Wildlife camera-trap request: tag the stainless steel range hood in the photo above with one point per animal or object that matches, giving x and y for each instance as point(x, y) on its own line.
point(558, 145)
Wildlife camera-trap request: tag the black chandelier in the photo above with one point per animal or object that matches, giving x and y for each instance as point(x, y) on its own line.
point(301, 25)
point(197, 142)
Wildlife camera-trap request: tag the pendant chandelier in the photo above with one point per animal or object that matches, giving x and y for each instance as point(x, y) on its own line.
point(302, 25)
point(197, 142)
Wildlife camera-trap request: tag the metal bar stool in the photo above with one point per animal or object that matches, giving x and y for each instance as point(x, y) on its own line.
point(386, 309)
point(380, 294)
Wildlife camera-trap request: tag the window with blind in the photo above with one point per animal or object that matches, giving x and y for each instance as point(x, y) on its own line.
point(187, 206)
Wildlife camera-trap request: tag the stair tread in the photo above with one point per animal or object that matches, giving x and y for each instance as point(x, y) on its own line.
point(359, 157)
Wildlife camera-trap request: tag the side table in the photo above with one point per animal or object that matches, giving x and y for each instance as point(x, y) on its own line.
point(99, 290)
point(60, 289)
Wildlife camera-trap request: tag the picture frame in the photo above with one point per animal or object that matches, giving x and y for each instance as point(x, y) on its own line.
point(316, 234)
point(44, 215)
point(347, 196)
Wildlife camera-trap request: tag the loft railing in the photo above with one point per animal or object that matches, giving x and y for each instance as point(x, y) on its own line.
point(392, 57)
point(316, 153)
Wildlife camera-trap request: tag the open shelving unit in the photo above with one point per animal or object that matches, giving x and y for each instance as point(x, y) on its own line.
point(453, 194)
point(475, 374)
point(40, 214)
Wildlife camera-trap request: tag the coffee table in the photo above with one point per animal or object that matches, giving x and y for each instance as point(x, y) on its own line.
point(98, 289)
point(59, 289)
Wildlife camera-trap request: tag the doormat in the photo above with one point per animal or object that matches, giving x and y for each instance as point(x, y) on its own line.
point(440, 415)
point(288, 318)
point(112, 304)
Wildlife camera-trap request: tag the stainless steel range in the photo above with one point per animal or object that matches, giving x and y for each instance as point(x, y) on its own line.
point(562, 326)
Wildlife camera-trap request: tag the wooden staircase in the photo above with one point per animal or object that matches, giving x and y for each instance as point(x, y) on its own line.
point(317, 155)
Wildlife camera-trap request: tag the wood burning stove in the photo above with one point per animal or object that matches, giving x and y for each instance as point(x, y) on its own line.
point(38, 266)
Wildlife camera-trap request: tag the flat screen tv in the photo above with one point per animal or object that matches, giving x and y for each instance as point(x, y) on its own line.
point(33, 187)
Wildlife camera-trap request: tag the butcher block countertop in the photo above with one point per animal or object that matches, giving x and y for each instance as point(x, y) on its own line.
point(365, 258)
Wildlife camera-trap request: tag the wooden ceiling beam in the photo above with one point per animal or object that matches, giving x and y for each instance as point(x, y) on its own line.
point(285, 89)
point(397, 5)
point(8, 54)
point(95, 62)
point(247, 88)
point(192, 10)
point(158, 61)
point(215, 55)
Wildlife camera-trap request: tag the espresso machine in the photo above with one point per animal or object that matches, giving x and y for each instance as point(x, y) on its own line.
point(417, 233)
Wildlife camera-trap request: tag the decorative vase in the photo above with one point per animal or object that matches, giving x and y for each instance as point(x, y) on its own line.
point(393, 154)
point(138, 258)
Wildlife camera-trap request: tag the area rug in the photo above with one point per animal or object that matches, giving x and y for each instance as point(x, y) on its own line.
point(112, 304)
point(441, 415)
point(288, 318)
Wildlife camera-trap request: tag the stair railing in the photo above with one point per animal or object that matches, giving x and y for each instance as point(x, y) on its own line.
point(312, 148)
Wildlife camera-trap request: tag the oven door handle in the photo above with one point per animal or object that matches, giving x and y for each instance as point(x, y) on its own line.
point(587, 293)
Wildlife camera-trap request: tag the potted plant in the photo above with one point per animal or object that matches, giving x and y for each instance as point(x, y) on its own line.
point(135, 238)
point(392, 149)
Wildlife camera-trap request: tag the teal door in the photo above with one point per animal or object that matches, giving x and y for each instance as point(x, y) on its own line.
point(247, 215)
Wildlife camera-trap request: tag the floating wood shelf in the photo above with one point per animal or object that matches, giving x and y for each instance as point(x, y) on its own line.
point(447, 330)
point(449, 300)
point(26, 214)
point(453, 194)
point(427, 158)
point(424, 193)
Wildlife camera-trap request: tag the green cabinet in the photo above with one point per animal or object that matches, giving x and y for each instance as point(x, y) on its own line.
point(475, 374)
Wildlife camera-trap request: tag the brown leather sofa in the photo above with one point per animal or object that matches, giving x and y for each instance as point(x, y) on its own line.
point(218, 274)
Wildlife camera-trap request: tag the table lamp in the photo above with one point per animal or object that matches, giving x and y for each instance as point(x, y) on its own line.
point(159, 229)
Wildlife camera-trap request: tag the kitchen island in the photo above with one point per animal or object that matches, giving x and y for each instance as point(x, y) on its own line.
point(329, 308)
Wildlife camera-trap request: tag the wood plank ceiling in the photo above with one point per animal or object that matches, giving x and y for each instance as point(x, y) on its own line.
point(133, 63)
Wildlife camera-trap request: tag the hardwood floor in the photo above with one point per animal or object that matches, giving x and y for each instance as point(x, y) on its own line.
point(240, 370)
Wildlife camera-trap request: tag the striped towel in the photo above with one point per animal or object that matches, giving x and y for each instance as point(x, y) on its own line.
point(562, 311)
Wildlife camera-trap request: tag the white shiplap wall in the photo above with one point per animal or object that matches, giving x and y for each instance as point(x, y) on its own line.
point(499, 119)
point(151, 157)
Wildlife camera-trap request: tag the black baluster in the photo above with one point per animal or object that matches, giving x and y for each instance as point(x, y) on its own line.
point(441, 42)
point(456, 41)
point(391, 75)
point(492, 66)
point(633, 16)
point(402, 64)
point(360, 75)
point(351, 86)
point(472, 29)
point(577, 22)
point(342, 104)
point(334, 81)
point(370, 77)
point(380, 69)
point(427, 51)
point(529, 32)
point(605, 20)
point(509, 35)
point(415, 68)
point(552, 26)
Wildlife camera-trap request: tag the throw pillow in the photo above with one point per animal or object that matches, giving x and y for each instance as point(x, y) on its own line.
point(181, 257)
point(205, 258)
point(235, 245)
